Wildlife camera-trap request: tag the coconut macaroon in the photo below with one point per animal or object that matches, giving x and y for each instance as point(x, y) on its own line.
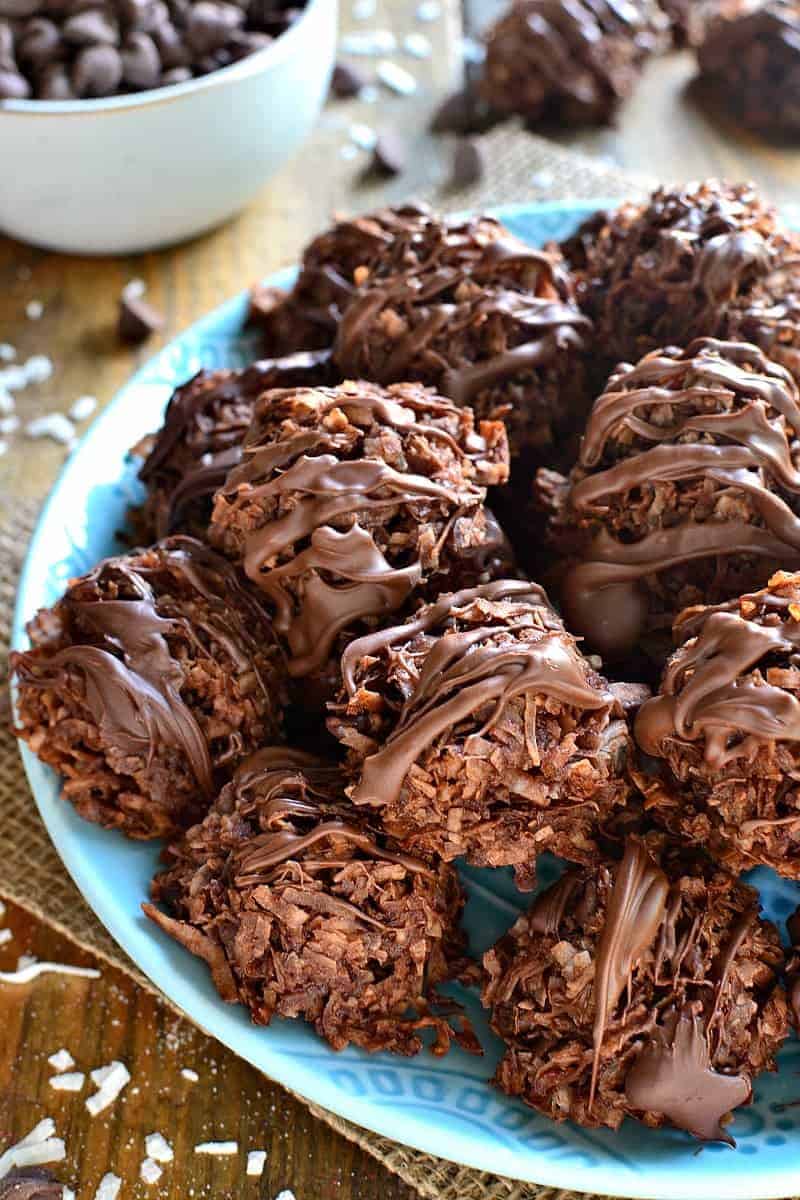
point(146, 683)
point(686, 491)
point(689, 262)
point(308, 315)
point(201, 439)
point(478, 728)
point(469, 309)
point(725, 731)
point(570, 64)
point(646, 988)
point(302, 909)
point(351, 503)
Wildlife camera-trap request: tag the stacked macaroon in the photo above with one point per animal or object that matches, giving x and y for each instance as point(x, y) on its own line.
point(330, 574)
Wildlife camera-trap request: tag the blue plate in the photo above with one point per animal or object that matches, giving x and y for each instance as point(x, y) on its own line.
point(444, 1106)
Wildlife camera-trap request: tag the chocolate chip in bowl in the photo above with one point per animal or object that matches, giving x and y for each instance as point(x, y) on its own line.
point(114, 95)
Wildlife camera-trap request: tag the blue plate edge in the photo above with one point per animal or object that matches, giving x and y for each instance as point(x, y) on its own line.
point(363, 1113)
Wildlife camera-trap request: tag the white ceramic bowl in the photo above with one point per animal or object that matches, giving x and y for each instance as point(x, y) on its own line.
point(136, 172)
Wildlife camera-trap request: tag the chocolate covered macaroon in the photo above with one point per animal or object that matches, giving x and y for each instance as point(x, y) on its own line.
point(725, 731)
point(353, 503)
point(308, 315)
point(569, 63)
point(483, 318)
point(750, 63)
point(478, 728)
point(301, 909)
point(201, 439)
point(686, 490)
point(689, 262)
point(646, 988)
point(146, 683)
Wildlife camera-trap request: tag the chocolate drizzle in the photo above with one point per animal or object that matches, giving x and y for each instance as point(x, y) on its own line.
point(635, 912)
point(704, 697)
point(734, 423)
point(461, 674)
point(468, 278)
point(673, 1076)
point(133, 686)
point(317, 559)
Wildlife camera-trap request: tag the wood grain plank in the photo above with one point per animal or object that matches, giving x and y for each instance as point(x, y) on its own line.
point(111, 1018)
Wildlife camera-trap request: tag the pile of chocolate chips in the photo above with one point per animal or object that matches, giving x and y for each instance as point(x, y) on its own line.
point(82, 49)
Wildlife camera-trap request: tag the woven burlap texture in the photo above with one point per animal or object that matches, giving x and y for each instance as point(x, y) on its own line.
point(519, 167)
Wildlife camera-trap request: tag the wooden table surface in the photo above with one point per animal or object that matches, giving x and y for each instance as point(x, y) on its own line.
point(662, 132)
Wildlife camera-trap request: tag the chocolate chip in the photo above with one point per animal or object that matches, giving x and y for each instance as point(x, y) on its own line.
point(13, 86)
point(176, 75)
point(138, 320)
point(7, 62)
point(244, 43)
point(468, 164)
point(97, 71)
point(16, 9)
point(389, 155)
point(461, 112)
point(347, 81)
point(54, 83)
point(142, 16)
point(39, 43)
point(90, 28)
point(210, 25)
point(173, 50)
point(141, 63)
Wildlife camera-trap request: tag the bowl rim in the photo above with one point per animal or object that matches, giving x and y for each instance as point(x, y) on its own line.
point(252, 64)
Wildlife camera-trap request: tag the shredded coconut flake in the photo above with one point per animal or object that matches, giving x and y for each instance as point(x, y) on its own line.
point(110, 1081)
point(62, 1060)
point(54, 425)
point(134, 289)
point(221, 1149)
point(38, 369)
point(7, 352)
point(364, 10)
point(150, 1172)
point(285, 1195)
point(6, 936)
point(83, 408)
point(395, 77)
point(189, 1074)
point(377, 41)
point(256, 1161)
point(429, 10)
point(158, 1148)
point(37, 1147)
point(26, 960)
point(363, 136)
point(3, 448)
point(9, 424)
point(417, 45)
point(67, 1193)
point(33, 970)
point(34, 310)
point(6, 403)
point(108, 1187)
point(71, 1082)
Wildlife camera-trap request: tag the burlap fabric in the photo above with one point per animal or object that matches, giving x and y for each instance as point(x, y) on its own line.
point(520, 167)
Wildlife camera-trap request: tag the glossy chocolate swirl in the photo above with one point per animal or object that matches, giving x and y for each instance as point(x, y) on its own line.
point(707, 694)
point(635, 912)
point(716, 423)
point(465, 671)
point(120, 631)
point(321, 546)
